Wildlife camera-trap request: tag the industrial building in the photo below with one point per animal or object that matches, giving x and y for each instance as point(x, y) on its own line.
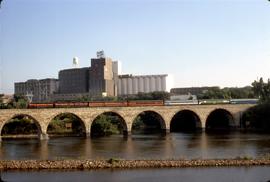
point(133, 84)
point(37, 90)
point(100, 79)
point(73, 81)
point(97, 80)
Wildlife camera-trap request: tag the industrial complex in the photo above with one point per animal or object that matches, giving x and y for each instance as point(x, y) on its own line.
point(101, 79)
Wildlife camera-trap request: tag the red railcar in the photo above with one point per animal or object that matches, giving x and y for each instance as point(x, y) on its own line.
point(108, 104)
point(40, 105)
point(70, 104)
point(116, 104)
point(81, 104)
point(96, 104)
point(141, 103)
point(135, 103)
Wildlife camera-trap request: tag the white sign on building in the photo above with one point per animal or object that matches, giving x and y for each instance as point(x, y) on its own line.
point(100, 54)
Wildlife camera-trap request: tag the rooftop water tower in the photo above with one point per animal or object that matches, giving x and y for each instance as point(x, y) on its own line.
point(75, 62)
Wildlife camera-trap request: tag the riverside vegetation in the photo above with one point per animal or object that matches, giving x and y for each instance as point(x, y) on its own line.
point(258, 117)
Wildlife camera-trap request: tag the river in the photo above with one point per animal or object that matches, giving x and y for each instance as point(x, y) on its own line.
point(170, 146)
point(221, 174)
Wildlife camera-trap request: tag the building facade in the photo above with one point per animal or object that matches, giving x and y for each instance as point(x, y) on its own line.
point(37, 90)
point(102, 77)
point(69, 96)
point(130, 85)
point(74, 81)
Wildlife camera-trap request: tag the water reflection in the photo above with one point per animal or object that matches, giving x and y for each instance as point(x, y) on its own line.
point(173, 145)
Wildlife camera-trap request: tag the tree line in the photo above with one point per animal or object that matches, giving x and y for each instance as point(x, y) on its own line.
point(228, 93)
point(258, 117)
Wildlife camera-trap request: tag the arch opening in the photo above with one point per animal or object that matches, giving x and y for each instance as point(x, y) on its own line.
point(108, 123)
point(185, 121)
point(21, 125)
point(148, 122)
point(219, 119)
point(66, 124)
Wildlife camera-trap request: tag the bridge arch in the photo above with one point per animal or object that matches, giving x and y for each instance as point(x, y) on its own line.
point(220, 119)
point(82, 128)
point(115, 118)
point(185, 120)
point(36, 122)
point(150, 118)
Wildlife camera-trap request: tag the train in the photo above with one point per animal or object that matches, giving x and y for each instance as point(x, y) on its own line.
point(133, 103)
point(138, 103)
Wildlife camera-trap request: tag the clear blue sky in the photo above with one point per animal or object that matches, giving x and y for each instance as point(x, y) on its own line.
point(199, 42)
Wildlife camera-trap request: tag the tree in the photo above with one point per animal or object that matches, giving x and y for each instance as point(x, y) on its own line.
point(214, 93)
point(19, 101)
point(1, 98)
point(20, 125)
point(257, 117)
point(262, 90)
point(106, 124)
point(67, 124)
point(21, 104)
point(228, 93)
point(156, 95)
point(159, 95)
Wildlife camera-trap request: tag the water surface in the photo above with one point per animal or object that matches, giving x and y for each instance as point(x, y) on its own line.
point(220, 174)
point(176, 145)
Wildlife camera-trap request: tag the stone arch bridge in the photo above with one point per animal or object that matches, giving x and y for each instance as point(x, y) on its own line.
point(43, 117)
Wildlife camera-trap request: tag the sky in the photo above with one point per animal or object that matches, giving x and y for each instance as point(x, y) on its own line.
point(222, 43)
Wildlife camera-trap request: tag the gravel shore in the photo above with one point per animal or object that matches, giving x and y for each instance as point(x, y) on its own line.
point(125, 164)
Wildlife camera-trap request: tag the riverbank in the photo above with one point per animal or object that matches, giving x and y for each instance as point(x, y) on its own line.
point(126, 164)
